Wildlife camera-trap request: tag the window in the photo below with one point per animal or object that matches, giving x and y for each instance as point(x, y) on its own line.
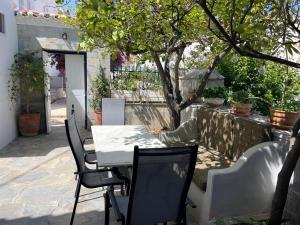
point(1, 23)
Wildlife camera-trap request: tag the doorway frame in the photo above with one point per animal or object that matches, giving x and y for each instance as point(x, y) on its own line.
point(85, 75)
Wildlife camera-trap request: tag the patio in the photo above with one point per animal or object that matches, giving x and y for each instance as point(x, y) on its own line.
point(38, 184)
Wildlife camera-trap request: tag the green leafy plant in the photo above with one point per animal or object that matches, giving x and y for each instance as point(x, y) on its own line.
point(28, 78)
point(99, 89)
point(247, 222)
point(133, 80)
point(217, 92)
point(266, 81)
point(241, 96)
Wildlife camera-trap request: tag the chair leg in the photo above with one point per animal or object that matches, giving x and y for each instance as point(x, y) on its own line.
point(76, 201)
point(106, 208)
point(184, 217)
point(77, 186)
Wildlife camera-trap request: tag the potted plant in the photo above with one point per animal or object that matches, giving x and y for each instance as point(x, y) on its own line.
point(28, 79)
point(241, 103)
point(285, 114)
point(214, 97)
point(286, 109)
point(99, 89)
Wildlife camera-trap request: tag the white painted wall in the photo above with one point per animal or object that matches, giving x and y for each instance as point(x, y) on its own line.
point(47, 6)
point(8, 48)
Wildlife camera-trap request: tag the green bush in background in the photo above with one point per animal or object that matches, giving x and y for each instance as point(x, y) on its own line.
point(267, 82)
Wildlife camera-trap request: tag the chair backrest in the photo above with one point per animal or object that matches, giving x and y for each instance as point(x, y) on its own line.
point(75, 143)
point(113, 111)
point(160, 183)
point(73, 114)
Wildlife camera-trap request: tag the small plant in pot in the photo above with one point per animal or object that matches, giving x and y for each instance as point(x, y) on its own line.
point(99, 89)
point(241, 102)
point(28, 79)
point(284, 115)
point(286, 109)
point(214, 97)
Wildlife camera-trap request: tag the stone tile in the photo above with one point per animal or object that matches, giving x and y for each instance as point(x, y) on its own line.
point(37, 184)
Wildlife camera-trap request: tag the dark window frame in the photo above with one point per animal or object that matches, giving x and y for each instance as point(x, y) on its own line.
point(2, 23)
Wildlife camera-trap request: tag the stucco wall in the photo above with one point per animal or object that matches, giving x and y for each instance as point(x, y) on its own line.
point(29, 28)
point(8, 48)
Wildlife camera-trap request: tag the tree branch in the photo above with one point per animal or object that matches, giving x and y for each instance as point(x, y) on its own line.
point(176, 74)
point(244, 52)
point(206, 76)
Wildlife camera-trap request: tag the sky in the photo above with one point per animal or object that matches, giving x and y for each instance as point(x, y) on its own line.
point(71, 5)
point(42, 5)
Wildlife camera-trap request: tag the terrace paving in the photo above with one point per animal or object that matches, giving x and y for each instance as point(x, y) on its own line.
point(37, 184)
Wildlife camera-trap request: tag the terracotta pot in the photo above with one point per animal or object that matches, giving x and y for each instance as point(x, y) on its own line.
point(283, 119)
point(29, 124)
point(241, 109)
point(190, 94)
point(98, 118)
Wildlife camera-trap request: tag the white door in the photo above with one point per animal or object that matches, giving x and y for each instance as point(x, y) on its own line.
point(75, 87)
point(47, 93)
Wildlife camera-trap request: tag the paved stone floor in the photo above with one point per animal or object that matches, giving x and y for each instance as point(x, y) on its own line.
point(37, 183)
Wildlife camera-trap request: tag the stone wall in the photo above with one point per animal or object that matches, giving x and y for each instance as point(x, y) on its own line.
point(151, 115)
point(229, 134)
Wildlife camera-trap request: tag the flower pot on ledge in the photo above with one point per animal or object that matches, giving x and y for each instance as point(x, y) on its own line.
point(283, 119)
point(242, 109)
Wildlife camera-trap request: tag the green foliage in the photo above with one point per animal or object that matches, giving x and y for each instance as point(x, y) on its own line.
point(133, 80)
point(28, 77)
point(137, 25)
point(240, 96)
point(217, 92)
point(99, 89)
point(266, 82)
point(248, 222)
point(256, 26)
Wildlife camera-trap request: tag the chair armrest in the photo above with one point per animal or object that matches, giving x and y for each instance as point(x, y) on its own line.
point(92, 171)
point(115, 205)
point(85, 139)
point(89, 151)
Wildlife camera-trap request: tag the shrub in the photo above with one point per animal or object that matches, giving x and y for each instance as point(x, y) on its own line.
point(28, 78)
point(266, 81)
point(99, 89)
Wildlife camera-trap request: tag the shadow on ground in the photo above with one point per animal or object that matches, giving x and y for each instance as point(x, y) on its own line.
point(40, 145)
point(90, 218)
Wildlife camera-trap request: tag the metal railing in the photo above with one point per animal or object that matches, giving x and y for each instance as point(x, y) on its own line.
point(134, 80)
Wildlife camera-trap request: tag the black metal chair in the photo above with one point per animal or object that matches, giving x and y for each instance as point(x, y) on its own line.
point(89, 178)
point(160, 183)
point(89, 155)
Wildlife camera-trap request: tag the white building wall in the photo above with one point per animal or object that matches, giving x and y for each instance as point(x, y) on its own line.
point(8, 48)
point(46, 6)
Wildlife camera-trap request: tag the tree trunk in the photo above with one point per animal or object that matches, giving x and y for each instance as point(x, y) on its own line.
point(284, 177)
point(206, 76)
